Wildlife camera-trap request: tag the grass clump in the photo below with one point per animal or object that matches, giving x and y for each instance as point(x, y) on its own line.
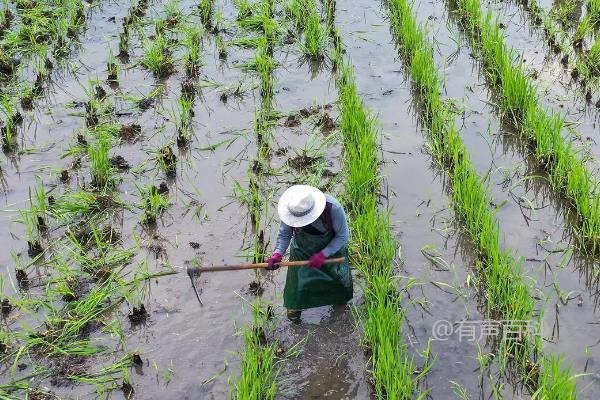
point(154, 202)
point(192, 41)
point(103, 174)
point(258, 367)
point(315, 36)
point(157, 57)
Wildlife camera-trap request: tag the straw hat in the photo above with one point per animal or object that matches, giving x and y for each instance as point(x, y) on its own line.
point(301, 205)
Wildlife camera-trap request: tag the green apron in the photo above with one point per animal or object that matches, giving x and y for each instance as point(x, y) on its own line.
point(307, 287)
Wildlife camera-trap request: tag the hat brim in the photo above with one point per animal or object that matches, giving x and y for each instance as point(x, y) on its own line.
point(294, 192)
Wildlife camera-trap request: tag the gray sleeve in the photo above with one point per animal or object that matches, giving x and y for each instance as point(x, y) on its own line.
point(340, 227)
point(283, 238)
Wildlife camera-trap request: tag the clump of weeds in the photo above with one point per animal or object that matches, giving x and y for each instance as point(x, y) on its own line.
point(167, 161)
point(154, 202)
point(157, 57)
point(192, 41)
point(103, 173)
point(112, 68)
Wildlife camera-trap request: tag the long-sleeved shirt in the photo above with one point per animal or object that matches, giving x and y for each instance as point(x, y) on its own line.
point(340, 228)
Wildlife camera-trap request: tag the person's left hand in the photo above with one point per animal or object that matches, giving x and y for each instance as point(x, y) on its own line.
point(317, 260)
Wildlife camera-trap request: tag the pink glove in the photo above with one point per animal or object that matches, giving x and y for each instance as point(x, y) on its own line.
point(274, 261)
point(317, 260)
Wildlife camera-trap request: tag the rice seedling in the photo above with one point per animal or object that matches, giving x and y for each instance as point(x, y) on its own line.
point(112, 68)
point(221, 48)
point(173, 13)
point(565, 11)
point(258, 374)
point(192, 41)
point(103, 174)
point(154, 202)
point(181, 116)
point(315, 37)
point(11, 119)
point(206, 12)
point(593, 11)
point(157, 57)
point(123, 45)
point(167, 161)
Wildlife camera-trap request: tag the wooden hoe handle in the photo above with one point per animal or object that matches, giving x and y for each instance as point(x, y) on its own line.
point(236, 267)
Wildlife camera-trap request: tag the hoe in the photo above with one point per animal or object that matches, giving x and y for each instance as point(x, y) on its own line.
point(196, 271)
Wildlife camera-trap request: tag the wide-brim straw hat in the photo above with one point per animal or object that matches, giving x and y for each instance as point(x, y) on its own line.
point(301, 205)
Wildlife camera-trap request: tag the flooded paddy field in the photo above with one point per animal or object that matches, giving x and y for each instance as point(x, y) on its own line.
point(141, 138)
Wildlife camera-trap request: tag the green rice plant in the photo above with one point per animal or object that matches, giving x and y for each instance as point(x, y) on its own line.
point(103, 174)
point(258, 374)
point(167, 161)
point(296, 10)
point(157, 57)
point(153, 203)
point(123, 45)
point(38, 205)
point(373, 249)
point(206, 12)
point(9, 128)
point(315, 37)
point(192, 41)
point(34, 237)
point(593, 11)
point(555, 382)
point(565, 11)
point(181, 116)
point(592, 59)
point(221, 47)
point(246, 9)
point(112, 67)
point(173, 12)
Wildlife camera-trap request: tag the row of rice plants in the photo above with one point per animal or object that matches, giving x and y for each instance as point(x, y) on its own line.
point(258, 369)
point(519, 101)
point(372, 244)
point(504, 286)
point(583, 63)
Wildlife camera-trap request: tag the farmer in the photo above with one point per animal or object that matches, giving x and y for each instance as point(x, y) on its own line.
point(315, 223)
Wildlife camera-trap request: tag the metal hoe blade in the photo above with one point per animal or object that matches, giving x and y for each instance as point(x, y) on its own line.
point(191, 275)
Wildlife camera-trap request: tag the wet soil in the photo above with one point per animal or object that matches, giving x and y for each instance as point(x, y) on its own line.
point(190, 348)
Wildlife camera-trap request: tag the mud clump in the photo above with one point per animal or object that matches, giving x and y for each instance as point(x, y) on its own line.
point(256, 288)
point(302, 162)
point(6, 307)
point(65, 367)
point(130, 132)
point(64, 176)
point(119, 163)
point(163, 188)
point(34, 248)
point(169, 160)
point(194, 245)
point(292, 121)
point(127, 389)
point(82, 140)
point(327, 123)
point(34, 394)
point(136, 359)
point(145, 103)
point(138, 314)
point(309, 111)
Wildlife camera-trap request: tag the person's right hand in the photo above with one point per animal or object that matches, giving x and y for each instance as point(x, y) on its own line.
point(274, 261)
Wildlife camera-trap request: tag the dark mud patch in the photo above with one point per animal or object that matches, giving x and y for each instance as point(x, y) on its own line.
point(302, 162)
point(138, 315)
point(129, 132)
point(292, 121)
point(64, 368)
point(6, 307)
point(120, 163)
point(256, 288)
point(34, 394)
point(326, 123)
